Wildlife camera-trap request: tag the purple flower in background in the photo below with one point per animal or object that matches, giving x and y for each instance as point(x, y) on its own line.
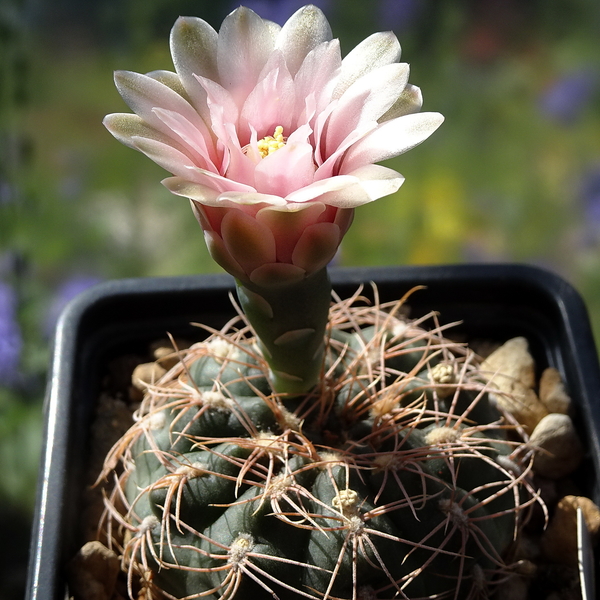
point(589, 198)
point(8, 193)
point(64, 294)
point(10, 336)
point(565, 98)
point(279, 11)
point(476, 251)
point(590, 195)
point(398, 14)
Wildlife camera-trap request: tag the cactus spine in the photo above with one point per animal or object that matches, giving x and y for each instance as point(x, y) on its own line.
point(395, 477)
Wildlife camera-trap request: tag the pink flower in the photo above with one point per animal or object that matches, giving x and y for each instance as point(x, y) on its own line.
point(272, 136)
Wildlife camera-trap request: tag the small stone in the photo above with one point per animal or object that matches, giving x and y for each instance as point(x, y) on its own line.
point(166, 357)
point(552, 392)
point(165, 351)
point(146, 374)
point(559, 450)
point(559, 541)
point(511, 370)
point(591, 513)
point(93, 572)
point(513, 360)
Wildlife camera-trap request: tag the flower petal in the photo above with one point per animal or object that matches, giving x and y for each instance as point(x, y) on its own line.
point(243, 48)
point(330, 167)
point(409, 102)
point(224, 115)
point(240, 167)
point(191, 137)
point(194, 191)
point(193, 45)
point(126, 126)
point(165, 155)
point(186, 185)
point(221, 255)
point(222, 107)
point(200, 214)
point(249, 242)
point(287, 226)
point(317, 246)
point(171, 80)
point(343, 219)
point(365, 101)
point(390, 139)
point(273, 29)
point(249, 199)
point(303, 31)
point(319, 125)
point(319, 188)
point(209, 217)
point(371, 183)
point(317, 76)
point(270, 103)
point(286, 170)
point(143, 93)
point(375, 51)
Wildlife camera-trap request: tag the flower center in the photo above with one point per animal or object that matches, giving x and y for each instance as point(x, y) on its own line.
point(270, 144)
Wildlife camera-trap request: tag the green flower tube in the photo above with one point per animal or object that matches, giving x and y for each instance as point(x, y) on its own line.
point(290, 321)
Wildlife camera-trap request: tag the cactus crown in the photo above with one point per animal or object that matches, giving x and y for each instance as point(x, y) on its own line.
point(396, 477)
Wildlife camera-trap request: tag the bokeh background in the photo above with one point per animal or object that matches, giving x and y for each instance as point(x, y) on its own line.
point(512, 175)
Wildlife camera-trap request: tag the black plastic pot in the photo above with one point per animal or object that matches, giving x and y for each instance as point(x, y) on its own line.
point(494, 302)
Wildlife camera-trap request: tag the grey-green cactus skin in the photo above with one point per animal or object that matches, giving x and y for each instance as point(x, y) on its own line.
point(396, 478)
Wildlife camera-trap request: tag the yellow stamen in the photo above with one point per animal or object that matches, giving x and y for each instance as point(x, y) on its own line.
point(269, 144)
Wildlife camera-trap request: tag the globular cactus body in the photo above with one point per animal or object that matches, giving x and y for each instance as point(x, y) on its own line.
point(397, 477)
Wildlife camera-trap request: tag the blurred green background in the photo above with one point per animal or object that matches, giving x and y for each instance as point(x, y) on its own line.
point(512, 175)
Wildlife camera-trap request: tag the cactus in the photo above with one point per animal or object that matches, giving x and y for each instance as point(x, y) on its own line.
point(397, 476)
point(267, 463)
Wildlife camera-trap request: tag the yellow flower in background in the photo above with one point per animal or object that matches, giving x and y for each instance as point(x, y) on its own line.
point(444, 215)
